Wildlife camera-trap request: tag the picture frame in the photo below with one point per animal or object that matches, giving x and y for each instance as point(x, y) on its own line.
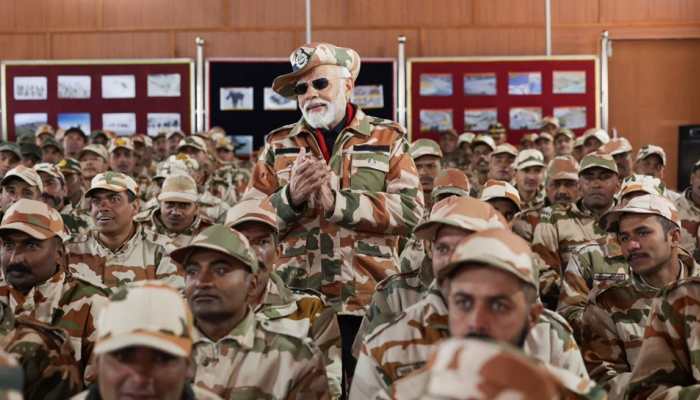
point(236, 98)
point(163, 85)
point(525, 118)
point(118, 86)
point(30, 88)
point(436, 120)
point(272, 101)
point(436, 84)
point(74, 87)
point(480, 84)
point(524, 83)
point(66, 121)
point(479, 119)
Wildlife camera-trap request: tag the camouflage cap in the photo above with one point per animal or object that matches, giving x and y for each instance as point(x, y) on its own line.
point(146, 313)
point(195, 142)
point(175, 133)
point(26, 174)
point(51, 169)
point(529, 158)
point(34, 218)
point(170, 167)
point(114, 182)
point(161, 134)
point(648, 204)
point(222, 239)
point(179, 188)
point(44, 129)
point(495, 189)
point(465, 213)
point(466, 137)
point(224, 143)
point(566, 132)
point(598, 160)
point(96, 149)
point(544, 136)
point(505, 148)
point(311, 55)
point(143, 139)
point(579, 141)
point(30, 150)
point(597, 133)
point(562, 167)
point(551, 120)
point(69, 165)
point(75, 129)
point(425, 147)
point(650, 149)
point(12, 148)
point(190, 163)
point(51, 141)
point(252, 210)
point(121, 143)
point(484, 139)
point(641, 183)
point(528, 137)
point(450, 181)
point(98, 133)
point(616, 146)
point(496, 127)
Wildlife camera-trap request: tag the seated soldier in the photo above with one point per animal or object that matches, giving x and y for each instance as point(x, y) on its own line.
point(10, 157)
point(76, 221)
point(19, 183)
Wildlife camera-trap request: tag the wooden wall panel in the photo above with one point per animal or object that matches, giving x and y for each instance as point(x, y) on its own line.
point(509, 12)
point(482, 42)
point(111, 45)
point(72, 14)
point(239, 44)
point(369, 42)
point(574, 12)
point(267, 14)
point(575, 40)
point(649, 11)
point(158, 14)
point(19, 47)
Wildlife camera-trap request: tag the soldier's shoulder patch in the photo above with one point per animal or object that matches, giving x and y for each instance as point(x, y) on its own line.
point(278, 131)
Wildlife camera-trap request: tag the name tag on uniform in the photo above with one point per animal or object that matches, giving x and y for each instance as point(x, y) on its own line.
point(407, 369)
point(617, 277)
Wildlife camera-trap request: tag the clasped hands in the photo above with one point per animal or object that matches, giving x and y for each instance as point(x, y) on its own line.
point(310, 181)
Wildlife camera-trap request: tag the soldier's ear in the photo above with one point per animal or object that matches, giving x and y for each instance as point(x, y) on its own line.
point(534, 314)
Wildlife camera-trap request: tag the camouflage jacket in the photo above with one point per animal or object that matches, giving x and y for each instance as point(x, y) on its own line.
point(593, 264)
point(139, 258)
point(303, 314)
point(45, 354)
point(397, 348)
point(524, 222)
point(377, 198)
point(232, 179)
point(66, 302)
point(690, 220)
point(561, 230)
point(612, 328)
point(537, 202)
point(667, 366)
point(191, 392)
point(212, 207)
point(157, 232)
point(76, 220)
point(254, 363)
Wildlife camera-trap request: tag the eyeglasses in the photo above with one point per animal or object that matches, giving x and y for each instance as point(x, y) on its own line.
point(318, 84)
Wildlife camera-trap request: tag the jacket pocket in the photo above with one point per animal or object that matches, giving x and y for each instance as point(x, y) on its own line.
point(368, 168)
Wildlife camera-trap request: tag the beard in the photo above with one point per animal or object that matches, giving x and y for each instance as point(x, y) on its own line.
point(324, 119)
point(518, 341)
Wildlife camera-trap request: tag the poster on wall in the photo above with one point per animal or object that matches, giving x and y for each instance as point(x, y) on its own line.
point(30, 88)
point(571, 117)
point(275, 102)
point(158, 122)
point(243, 145)
point(436, 120)
point(123, 124)
point(163, 85)
point(74, 86)
point(236, 98)
point(481, 84)
point(368, 96)
point(118, 87)
point(569, 82)
point(27, 123)
point(479, 119)
point(524, 83)
point(529, 118)
point(74, 120)
point(436, 85)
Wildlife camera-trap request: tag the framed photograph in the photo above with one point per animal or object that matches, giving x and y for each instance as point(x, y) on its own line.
point(27, 123)
point(436, 84)
point(481, 84)
point(479, 119)
point(275, 102)
point(368, 96)
point(75, 120)
point(118, 87)
point(569, 82)
point(158, 122)
point(123, 124)
point(528, 118)
point(571, 117)
point(242, 145)
point(30, 88)
point(163, 85)
point(436, 120)
point(74, 86)
point(236, 98)
point(524, 83)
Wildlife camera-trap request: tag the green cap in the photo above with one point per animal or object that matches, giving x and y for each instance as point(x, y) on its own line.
point(11, 147)
point(51, 141)
point(425, 147)
point(222, 239)
point(599, 160)
point(69, 165)
point(30, 150)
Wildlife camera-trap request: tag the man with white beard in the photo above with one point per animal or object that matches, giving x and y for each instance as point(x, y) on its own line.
point(344, 186)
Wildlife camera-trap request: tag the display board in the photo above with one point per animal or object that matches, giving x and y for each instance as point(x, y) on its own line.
point(467, 94)
point(240, 99)
point(125, 96)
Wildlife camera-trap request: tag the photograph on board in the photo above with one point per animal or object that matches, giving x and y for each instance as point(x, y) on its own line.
point(30, 88)
point(236, 98)
point(368, 96)
point(436, 84)
point(123, 124)
point(118, 87)
point(242, 145)
point(275, 102)
point(480, 84)
point(75, 120)
point(27, 123)
point(569, 82)
point(159, 122)
point(74, 86)
point(529, 118)
point(479, 119)
point(524, 83)
point(435, 120)
point(571, 117)
point(163, 85)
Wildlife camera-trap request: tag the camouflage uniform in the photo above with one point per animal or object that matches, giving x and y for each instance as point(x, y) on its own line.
point(690, 220)
point(234, 179)
point(475, 179)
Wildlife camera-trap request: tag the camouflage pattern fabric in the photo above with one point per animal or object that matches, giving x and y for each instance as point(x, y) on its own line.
point(234, 179)
point(157, 232)
point(343, 255)
point(211, 207)
point(690, 220)
point(77, 220)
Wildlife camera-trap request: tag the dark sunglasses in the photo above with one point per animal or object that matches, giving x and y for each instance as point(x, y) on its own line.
point(318, 84)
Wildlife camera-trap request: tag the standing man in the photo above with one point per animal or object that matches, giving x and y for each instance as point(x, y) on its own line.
point(428, 158)
point(343, 184)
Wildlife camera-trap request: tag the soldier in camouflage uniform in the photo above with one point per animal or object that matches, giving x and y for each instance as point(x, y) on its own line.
point(563, 228)
point(121, 156)
point(482, 147)
point(527, 141)
point(503, 197)
point(37, 284)
point(545, 144)
point(501, 162)
point(613, 323)
point(77, 222)
point(10, 157)
point(31, 153)
point(51, 151)
point(621, 150)
point(19, 183)
point(688, 205)
point(144, 347)
point(236, 355)
point(70, 168)
point(577, 153)
point(593, 139)
point(550, 124)
point(427, 156)
point(564, 142)
point(118, 251)
point(94, 159)
point(529, 178)
point(291, 311)
point(451, 155)
point(498, 133)
point(464, 142)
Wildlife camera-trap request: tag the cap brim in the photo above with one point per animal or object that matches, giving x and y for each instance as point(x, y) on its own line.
point(596, 166)
point(529, 164)
point(419, 154)
point(179, 197)
point(611, 219)
point(147, 339)
point(13, 175)
point(111, 188)
point(250, 219)
point(36, 232)
point(449, 190)
point(481, 259)
point(427, 230)
point(284, 84)
point(180, 255)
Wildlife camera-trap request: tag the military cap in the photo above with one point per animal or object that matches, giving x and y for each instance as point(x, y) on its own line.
point(222, 239)
point(545, 136)
point(648, 204)
point(143, 139)
point(147, 313)
point(96, 149)
point(30, 150)
point(44, 129)
point(450, 181)
point(616, 146)
point(50, 141)
point(598, 160)
point(12, 148)
point(195, 142)
point(497, 248)
point(114, 182)
point(190, 163)
point(597, 133)
point(25, 138)
point(566, 132)
point(484, 139)
point(549, 120)
point(180, 188)
point(34, 218)
point(26, 174)
point(161, 134)
point(466, 137)
point(121, 143)
point(170, 167)
point(529, 158)
point(424, 147)
point(562, 167)
point(496, 127)
point(648, 150)
point(311, 55)
point(224, 143)
point(465, 213)
point(174, 133)
point(75, 129)
point(505, 148)
point(252, 210)
point(495, 189)
point(528, 137)
point(97, 133)
point(579, 141)
point(50, 169)
point(69, 165)
point(641, 183)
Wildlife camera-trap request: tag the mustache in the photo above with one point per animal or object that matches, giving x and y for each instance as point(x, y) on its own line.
point(315, 103)
point(18, 267)
point(636, 255)
point(478, 335)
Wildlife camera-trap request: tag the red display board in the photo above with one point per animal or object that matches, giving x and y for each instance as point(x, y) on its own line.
point(140, 95)
point(515, 91)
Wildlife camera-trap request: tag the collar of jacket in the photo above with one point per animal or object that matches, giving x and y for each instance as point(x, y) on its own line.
point(688, 197)
point(161, 228)
point(278, 300)
point(42, 301)
point(360, 124)
point(136, 237)
point(243, 334)
point(688, 268)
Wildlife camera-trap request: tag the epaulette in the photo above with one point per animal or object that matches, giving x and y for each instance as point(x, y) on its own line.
point(691, 280)
point(387, 123)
